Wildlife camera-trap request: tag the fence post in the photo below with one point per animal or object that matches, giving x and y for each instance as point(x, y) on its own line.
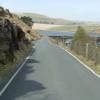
point(63, 41)
point(87, 50)
point(96, 55)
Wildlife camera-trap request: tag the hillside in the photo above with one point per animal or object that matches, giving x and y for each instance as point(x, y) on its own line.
point(38, 18)
point(38, 26)
point(62, 24)
point(15, 41)
point(73, 28)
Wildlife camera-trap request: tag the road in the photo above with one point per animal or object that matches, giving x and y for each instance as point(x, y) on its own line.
point(52, 74)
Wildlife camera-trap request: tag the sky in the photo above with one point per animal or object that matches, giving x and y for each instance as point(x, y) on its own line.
point(82, 10)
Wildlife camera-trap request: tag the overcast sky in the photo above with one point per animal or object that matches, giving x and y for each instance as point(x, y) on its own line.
point(68, 9)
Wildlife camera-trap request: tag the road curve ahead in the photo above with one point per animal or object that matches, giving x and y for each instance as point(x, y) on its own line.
point(52, 74)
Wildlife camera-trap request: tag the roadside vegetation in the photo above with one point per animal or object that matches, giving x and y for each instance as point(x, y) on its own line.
point(27, 20)
point(15, 41)
point(84, 47)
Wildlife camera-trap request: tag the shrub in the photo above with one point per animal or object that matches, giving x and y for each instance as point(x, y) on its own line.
point(27, 20)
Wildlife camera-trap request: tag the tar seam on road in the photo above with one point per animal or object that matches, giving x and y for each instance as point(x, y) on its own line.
point(86, 66)
point(12, 78)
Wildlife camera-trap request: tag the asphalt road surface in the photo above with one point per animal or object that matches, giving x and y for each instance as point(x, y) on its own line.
point(52, 74)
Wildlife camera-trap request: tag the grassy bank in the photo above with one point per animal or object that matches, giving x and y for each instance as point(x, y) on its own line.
point(90, 63)
point(5, 70)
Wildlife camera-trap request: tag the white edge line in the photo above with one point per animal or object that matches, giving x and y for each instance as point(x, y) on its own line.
point(86, 66)
point(11, 79)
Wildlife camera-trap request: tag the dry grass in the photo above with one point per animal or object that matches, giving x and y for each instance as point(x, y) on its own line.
point(73, 28)
point(5, 70)
point(90, 63)
point(38, 26)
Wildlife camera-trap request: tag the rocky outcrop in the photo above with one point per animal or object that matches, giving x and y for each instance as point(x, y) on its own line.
point(5, 12)
point(13, 34)
point(10, 37)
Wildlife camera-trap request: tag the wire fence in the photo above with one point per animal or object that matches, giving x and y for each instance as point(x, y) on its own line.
point(89, 51)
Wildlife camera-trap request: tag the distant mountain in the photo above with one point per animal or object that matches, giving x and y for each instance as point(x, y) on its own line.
point(68, 25)
point(38, 18)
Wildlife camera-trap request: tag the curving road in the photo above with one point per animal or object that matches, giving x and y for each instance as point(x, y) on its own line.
point(52, 74)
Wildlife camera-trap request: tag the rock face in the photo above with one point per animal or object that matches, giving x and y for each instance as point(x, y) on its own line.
point(4, 12)
point(12, 34)
point(10, 37)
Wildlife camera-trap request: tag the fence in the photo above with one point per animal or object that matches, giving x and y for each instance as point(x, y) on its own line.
point(89, 51)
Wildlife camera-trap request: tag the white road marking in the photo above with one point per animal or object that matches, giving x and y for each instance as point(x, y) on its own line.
point(86, 66)
point(12, 78)
point(28, 57)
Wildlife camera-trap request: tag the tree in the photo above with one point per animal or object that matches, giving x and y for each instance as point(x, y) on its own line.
point(80, 35)
point(27, 20)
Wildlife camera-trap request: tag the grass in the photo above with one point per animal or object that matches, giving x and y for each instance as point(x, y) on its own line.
point(5, 70)
point(90, 63)
point(64, 28)
point(73, 28)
